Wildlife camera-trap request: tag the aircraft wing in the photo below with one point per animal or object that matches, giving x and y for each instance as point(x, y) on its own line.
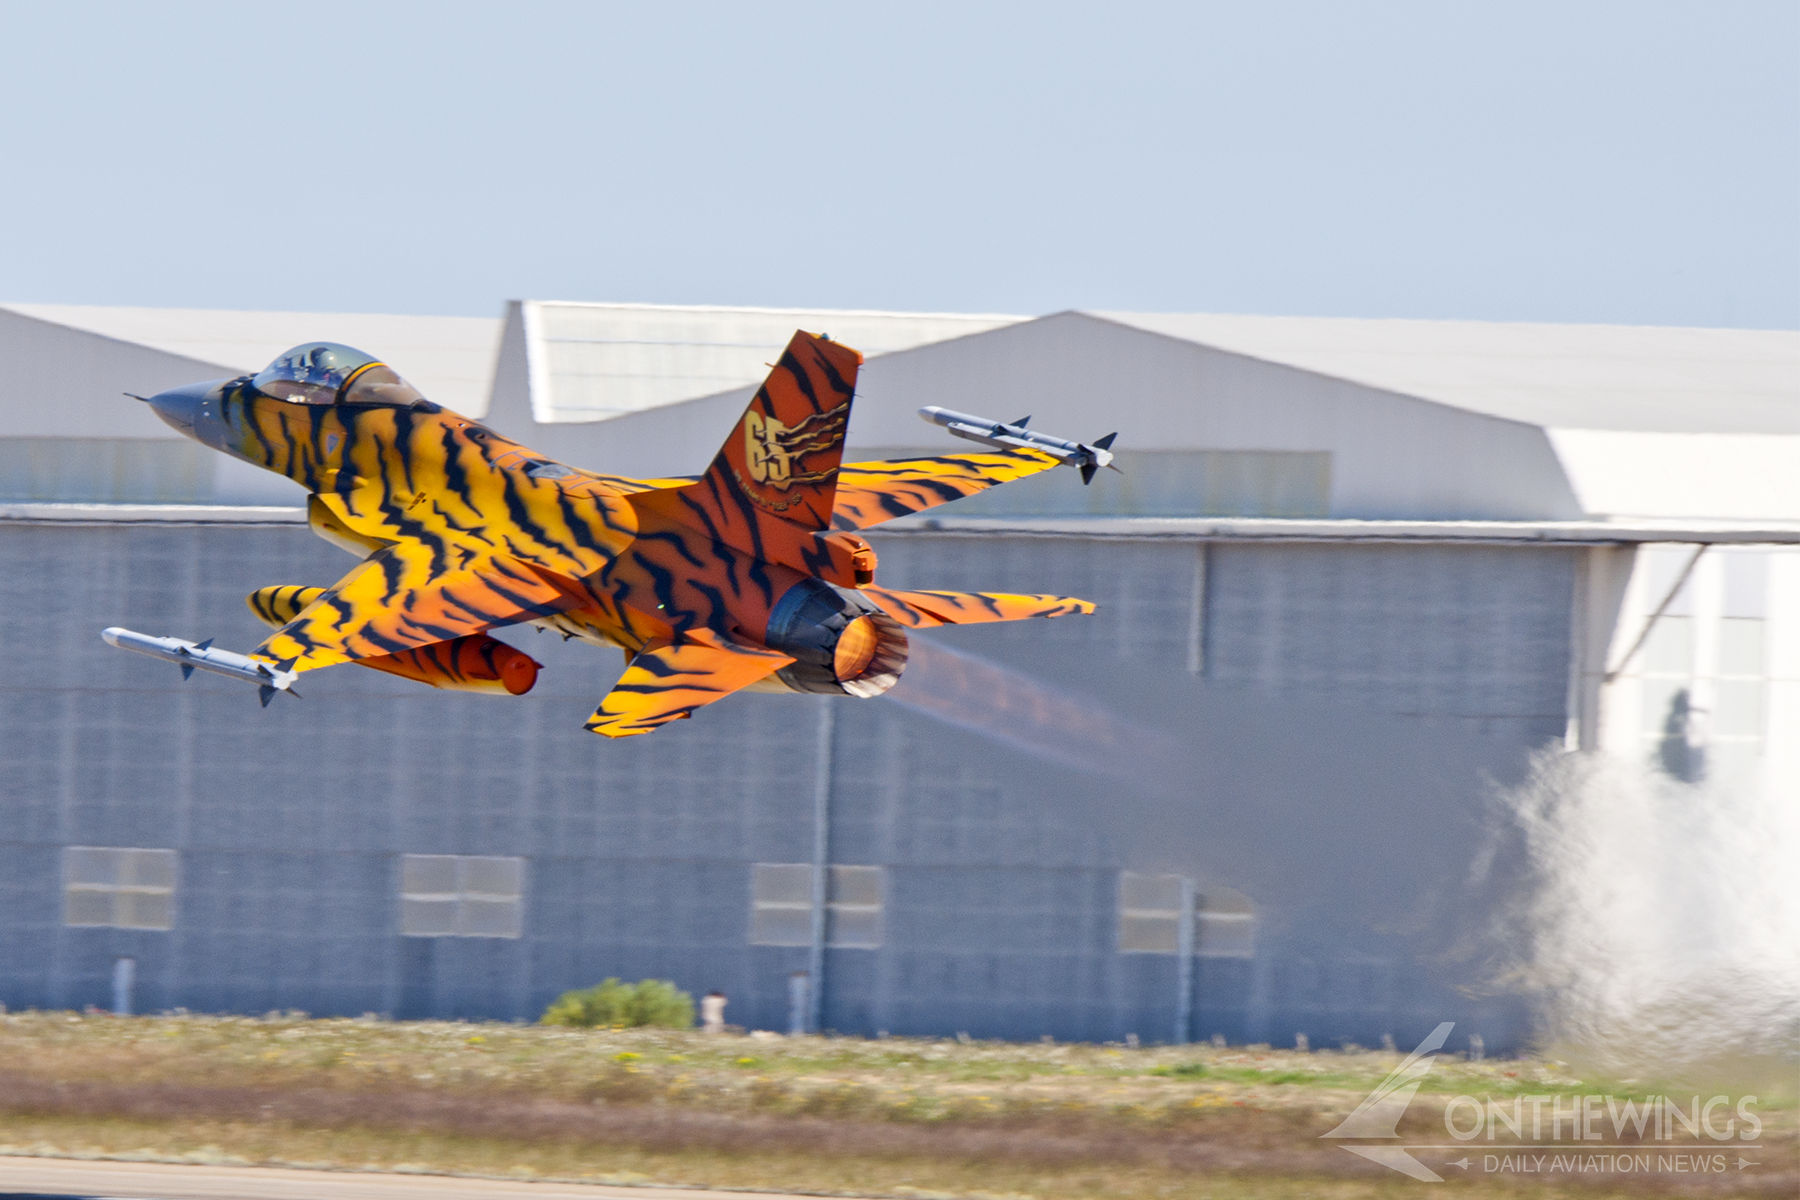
point(668, 682)
point(872, 492)
point(412, 594)
point(922, 610)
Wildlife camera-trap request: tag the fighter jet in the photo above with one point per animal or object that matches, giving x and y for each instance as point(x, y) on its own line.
point(751, 576)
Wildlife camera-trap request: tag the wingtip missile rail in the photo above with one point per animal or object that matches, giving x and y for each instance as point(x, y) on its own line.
point(202, 656)
point(1088, 457)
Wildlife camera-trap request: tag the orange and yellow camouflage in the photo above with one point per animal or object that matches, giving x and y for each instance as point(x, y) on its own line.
point(751, 575)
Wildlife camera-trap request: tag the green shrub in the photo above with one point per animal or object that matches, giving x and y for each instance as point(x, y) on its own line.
point(647, 1002)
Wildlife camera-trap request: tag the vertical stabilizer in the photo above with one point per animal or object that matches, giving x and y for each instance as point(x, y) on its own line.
point(782, 458)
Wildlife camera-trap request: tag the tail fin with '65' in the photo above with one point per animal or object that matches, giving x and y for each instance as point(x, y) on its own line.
point(781, 460)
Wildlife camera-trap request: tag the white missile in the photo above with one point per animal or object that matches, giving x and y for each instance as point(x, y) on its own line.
point(1088, 457)
point(192, 656)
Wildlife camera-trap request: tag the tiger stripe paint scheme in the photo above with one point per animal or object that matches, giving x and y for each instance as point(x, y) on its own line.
point(923, 610)
point(475, 662)
point(668, 682)
point(462, 530)
point(870, 493)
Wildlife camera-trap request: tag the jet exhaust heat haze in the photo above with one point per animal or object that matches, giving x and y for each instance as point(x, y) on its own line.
point(751, 576)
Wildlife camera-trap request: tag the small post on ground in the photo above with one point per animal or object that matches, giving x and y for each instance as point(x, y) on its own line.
point(823, 766)
point(798, 1002)
point(1184, 964)
point(124, 981)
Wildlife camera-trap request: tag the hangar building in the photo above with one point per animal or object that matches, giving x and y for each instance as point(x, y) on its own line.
point(1352, 576)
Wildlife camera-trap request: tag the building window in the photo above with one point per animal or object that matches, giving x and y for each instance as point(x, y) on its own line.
point(1671, 705)
point(1740, 691)
point(781, 906)
point(853, 905)
point(1669, 709)
point(1703, 664)
point(456, 895)
point(1150, 918)
point(1224, 924)
point(1149, 913)
point(118, 887)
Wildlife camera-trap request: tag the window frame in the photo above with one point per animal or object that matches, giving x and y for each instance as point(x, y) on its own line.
point(462, 900)
point(781, 905)
point(128, 893)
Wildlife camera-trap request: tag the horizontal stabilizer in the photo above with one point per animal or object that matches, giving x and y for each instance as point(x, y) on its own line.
point(922, 610)
point(872, 492)
point(667, 683)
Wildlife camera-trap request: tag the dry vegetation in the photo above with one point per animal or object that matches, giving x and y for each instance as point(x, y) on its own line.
point(830, 1115)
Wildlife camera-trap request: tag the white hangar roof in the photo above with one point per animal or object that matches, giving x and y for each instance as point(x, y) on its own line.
point(1644, 420)
point(585, 361)
point(1617, 377)
point(1317, 418)
point(593, 362)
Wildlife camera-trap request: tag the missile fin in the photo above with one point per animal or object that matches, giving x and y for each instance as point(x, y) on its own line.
point(1087, 472)
point(1022, 422)
point(1106, 442)
point(187, 670)
point(207, 644)
point(267, 693)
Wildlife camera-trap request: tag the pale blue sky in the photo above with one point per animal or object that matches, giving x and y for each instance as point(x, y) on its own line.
point(1633, 162)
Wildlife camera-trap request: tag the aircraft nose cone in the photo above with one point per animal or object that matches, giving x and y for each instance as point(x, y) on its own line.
point(179, 407)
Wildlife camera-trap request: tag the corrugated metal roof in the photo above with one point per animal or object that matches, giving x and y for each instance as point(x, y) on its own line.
point(1617, 377)
point(592, 362)
point(450, 359)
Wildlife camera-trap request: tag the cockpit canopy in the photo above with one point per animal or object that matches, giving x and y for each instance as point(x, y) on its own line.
point(329, 373)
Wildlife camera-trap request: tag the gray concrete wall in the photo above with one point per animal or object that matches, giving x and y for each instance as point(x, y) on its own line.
point(1329, 761)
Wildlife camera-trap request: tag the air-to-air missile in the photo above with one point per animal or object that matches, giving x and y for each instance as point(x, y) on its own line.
point(192, 656)
point(1002, 436)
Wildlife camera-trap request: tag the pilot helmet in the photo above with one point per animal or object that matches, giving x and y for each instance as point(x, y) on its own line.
point(330, 373)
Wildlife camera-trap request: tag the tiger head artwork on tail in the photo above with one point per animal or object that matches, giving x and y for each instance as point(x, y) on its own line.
point(752, 575)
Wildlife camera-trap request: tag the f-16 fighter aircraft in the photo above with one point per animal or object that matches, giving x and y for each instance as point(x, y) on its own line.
point(751, 576)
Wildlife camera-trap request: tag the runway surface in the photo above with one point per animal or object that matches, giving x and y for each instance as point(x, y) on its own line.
point(72, 1179)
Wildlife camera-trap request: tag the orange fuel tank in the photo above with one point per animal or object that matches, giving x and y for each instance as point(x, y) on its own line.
point(476, 663)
